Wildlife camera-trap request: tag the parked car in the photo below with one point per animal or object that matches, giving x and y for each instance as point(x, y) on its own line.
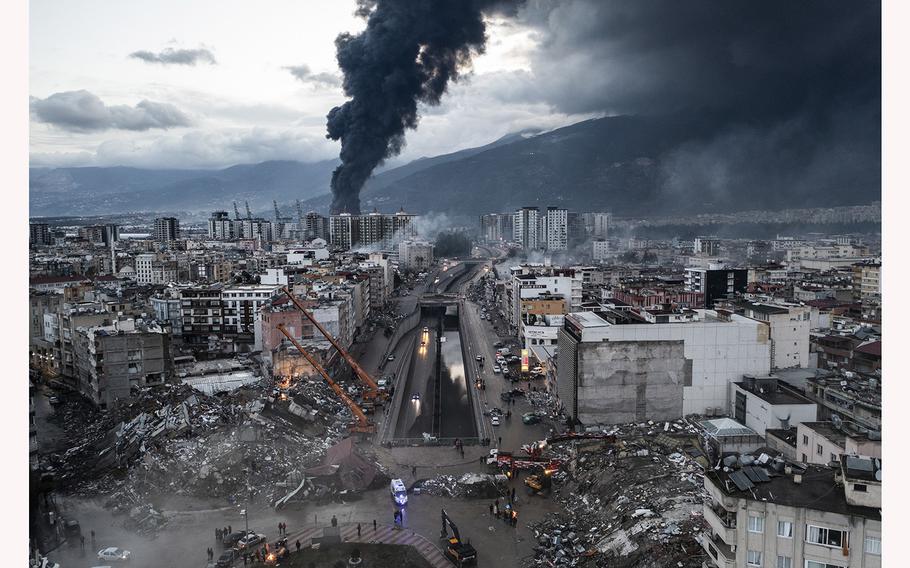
point(478, 357)
point(494, 420)
point(231, 539)
point(390, 358)
point(250, 540)
point(227, 558)
point(113, 554)
point(496, 369)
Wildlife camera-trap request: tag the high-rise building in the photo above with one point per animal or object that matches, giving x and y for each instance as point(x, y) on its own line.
point(600, 224)
point(39, 234)
point(221, 227)
point(315, 226)
point(415, 255)
point(344, 230)
point(166, 229)
point(496, 227)
point(707, 246)
point(526, 227)
point(557, 229)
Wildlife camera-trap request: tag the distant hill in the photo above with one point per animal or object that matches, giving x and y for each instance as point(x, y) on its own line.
point(630, 165)
point(617, 164)
point(86, 191)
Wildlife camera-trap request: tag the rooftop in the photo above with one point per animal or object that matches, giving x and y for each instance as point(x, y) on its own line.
point(817, 489)
point(775, 394)
point(723, 427)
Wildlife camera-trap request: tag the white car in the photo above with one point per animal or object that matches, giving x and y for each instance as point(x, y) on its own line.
point(496, 369)
point(112, 553)
point(251, 539)
point(494, 420)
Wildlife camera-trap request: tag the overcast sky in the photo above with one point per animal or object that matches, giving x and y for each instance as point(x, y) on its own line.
point(205, 83)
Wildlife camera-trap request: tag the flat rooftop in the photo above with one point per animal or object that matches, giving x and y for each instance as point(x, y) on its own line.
point(817, 491)
point(776, 397)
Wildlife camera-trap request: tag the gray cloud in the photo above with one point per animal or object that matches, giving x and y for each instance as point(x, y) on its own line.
point(304, 74)
point(171, 56)
point(82, 111)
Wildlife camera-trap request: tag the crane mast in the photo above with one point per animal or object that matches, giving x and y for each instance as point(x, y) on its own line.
point(363, 423)
point(373, 388)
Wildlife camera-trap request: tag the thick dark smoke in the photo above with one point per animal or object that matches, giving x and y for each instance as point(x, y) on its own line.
point(408, 53)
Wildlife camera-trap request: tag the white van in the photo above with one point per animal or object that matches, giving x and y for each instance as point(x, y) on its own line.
point(399, 492)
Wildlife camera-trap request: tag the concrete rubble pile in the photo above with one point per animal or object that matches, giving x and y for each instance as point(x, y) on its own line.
point(469, 485)
point(249, 444)
point(636, 503)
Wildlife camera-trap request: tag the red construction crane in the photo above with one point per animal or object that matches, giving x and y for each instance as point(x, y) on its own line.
point(363, 423)
point(372, 389)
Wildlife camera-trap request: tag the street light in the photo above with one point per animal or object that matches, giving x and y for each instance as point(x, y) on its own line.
point(246, 518)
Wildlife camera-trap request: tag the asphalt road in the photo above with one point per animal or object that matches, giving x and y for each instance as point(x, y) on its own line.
point(416, 416)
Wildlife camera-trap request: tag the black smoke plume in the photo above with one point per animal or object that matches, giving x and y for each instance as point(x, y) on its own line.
point(408, 53)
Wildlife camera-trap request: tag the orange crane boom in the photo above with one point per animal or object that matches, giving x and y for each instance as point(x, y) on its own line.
point(363, 423)
point(372, 388)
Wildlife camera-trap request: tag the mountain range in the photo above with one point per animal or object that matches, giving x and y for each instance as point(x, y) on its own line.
point(630, 165)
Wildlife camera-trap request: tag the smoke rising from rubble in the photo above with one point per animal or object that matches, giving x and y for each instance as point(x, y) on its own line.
point(408, 53)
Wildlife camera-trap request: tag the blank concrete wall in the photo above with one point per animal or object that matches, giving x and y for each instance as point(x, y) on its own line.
point(627, 381)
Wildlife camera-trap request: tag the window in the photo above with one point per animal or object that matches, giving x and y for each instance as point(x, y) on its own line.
point(833, 457)
point(753, 558)
point(861, 487)
point(818, 449)
point(805, 440)
point(756, 524)
point(827, 537)
point(874, 545)
point(785, 529)
point(784, 562)
point(804, 458)
point(816, 564)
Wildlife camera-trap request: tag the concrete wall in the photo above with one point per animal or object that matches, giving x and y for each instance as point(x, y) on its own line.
point(626, 381)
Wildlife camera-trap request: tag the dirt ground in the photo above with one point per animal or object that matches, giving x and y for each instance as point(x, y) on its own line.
point(373, 555)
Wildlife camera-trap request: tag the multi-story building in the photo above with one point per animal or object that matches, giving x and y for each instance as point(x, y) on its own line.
point(202, 314)
point(600, 225)
point(415, 255)
point(789, 326)
point(763, 403)
point(496, 227)
point(867, 282)
point(788, 516)
point(168, 311)
point(315, 226)
point(716, 284)
point(154, 268)
point(344, 230)
point(853, 398)
point(221, 227)
point(623, 366)
point(241, 305)
point(112, 360)
point(167, 229)
point(260, 230)
point(601, 250)
point(706, 246)
point(557, 223)
point(526, 227)
point(39, 234)
point(529, 282)
point(824, 442)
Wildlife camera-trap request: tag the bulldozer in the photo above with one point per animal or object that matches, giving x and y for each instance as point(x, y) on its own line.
point(459, 552)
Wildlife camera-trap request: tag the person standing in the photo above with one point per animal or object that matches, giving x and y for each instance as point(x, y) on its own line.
point(491, 509)
point(93, 538)
point(358, 530)
point(374, 525)
point(297, 544)
point(82, 542)
point(334, 521)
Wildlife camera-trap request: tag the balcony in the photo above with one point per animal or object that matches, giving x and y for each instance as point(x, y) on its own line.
point(723, 522)
point(718, 551)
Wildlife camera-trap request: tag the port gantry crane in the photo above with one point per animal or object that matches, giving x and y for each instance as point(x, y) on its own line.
point(372, 392)
point(363, 423)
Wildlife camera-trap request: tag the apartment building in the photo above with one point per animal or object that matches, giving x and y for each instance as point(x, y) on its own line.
point(789, 326)
point(166, 229)
point(763, 403)
point(867, 282)
point(557, 228)
point(153, 268)
point(202, 314)
point(716, 284)
point(415, 255)
point(784, 515)
point(221, 227)
point(526, 228)
point(824, 442)
point(112, 360)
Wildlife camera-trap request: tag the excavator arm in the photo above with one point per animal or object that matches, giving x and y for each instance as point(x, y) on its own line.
point(373, 388)
point(363, 423)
